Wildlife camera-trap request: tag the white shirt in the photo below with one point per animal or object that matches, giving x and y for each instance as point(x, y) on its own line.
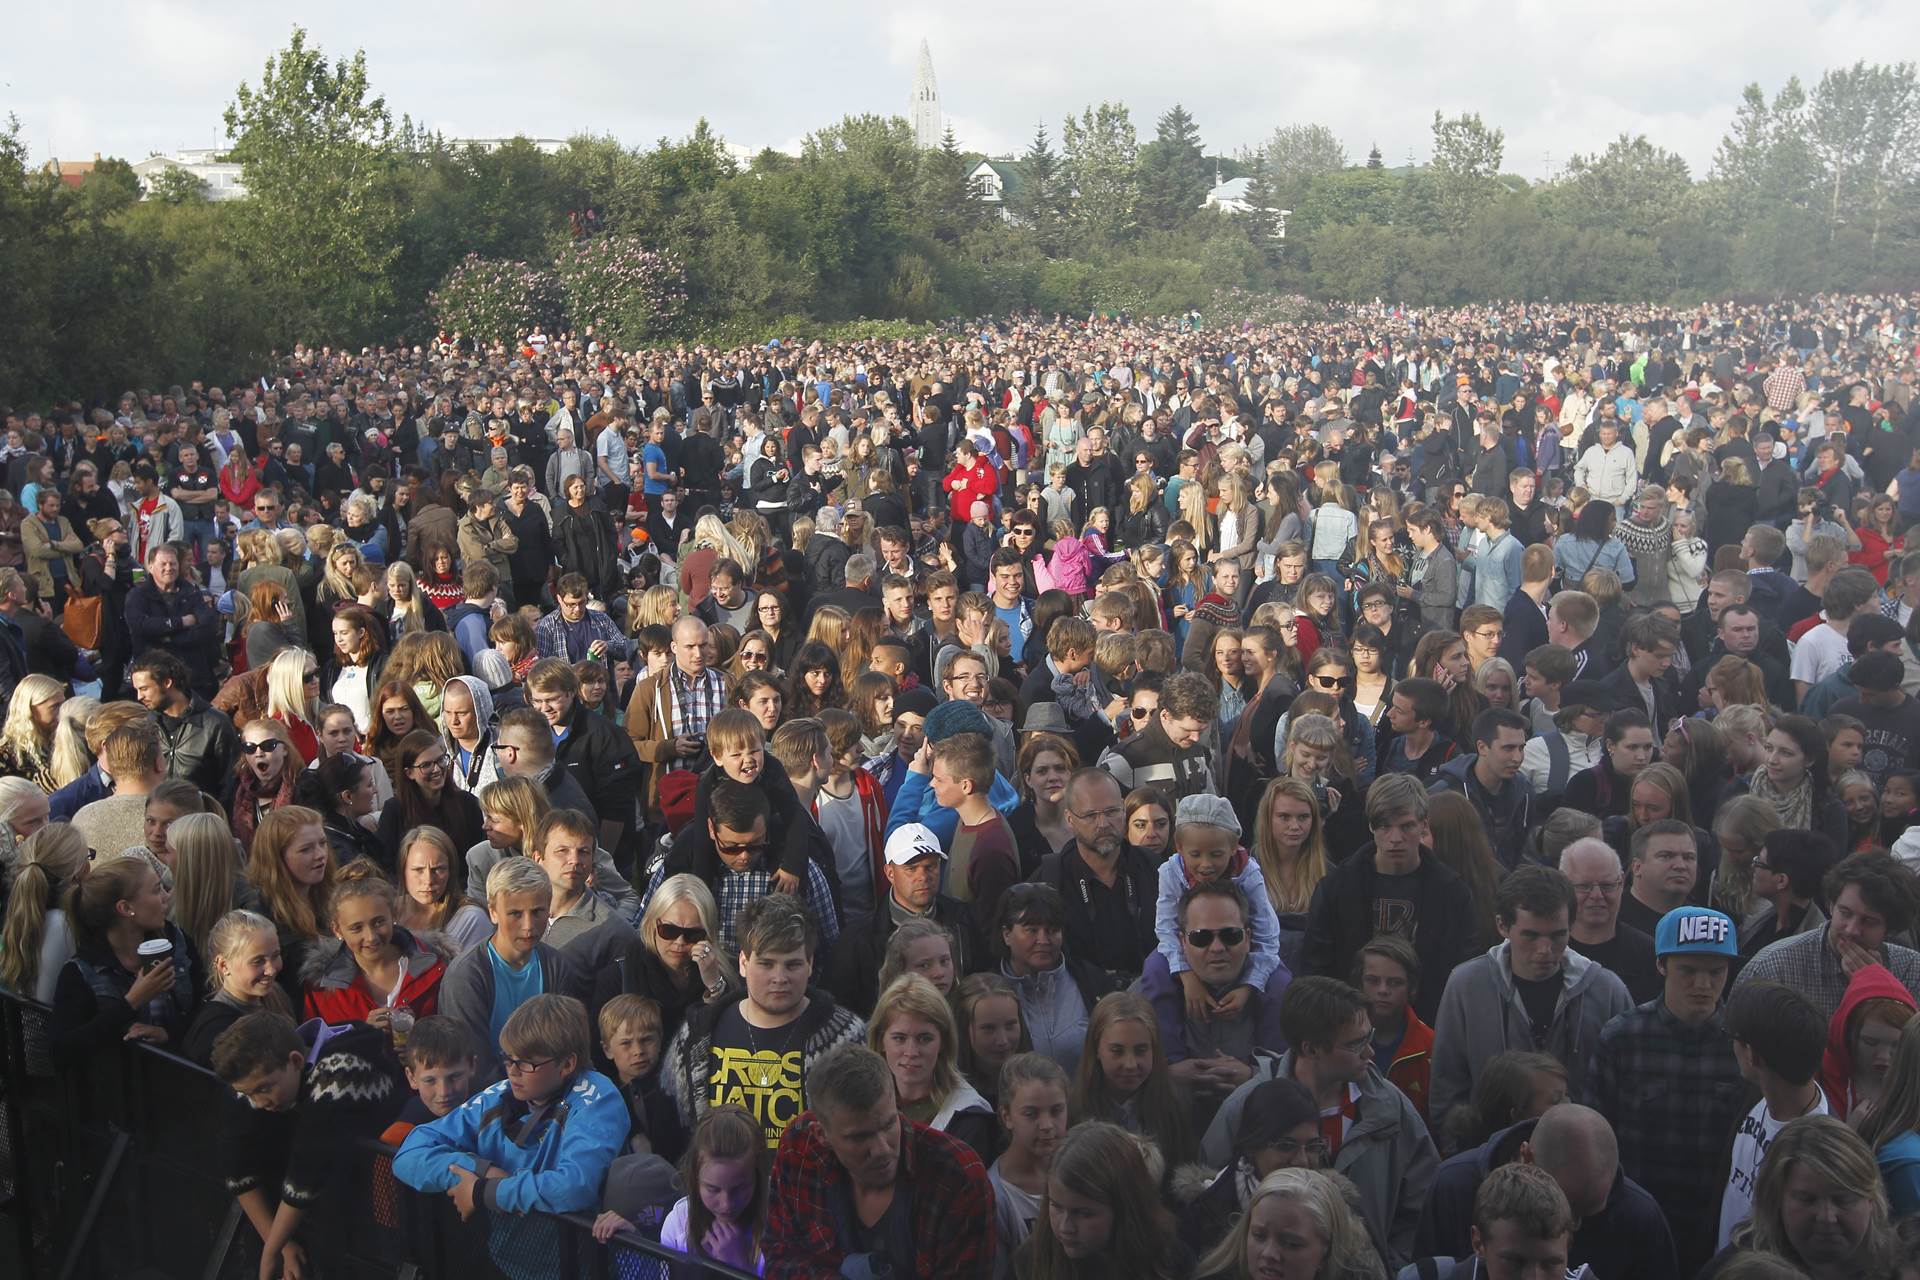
point(1819, 653)
point(1757, 1131)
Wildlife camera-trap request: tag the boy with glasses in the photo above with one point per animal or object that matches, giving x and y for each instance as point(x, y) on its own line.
point(542, 1139)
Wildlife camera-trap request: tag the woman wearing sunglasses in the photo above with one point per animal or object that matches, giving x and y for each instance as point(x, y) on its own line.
point(673, 961)
point(264, 776)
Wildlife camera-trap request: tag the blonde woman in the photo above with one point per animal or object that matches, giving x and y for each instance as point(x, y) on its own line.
point(291, 866)
point(1290, 845)
point(71, 755)
point(913, 1029)
point(26, 742)
point(675, 961)
point(1295, 1214)
point(336, 582)
point(207, 883)
point(426, 660)
point(410, 610)
point(243, 970)
point(433, 890)
point(37, 939)
point(510, 809)
point(1687, 563)
point(657, 607)
point(293, 696)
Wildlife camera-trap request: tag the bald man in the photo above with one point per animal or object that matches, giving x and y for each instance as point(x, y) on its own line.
point(1620, 1232)
point(667, 716)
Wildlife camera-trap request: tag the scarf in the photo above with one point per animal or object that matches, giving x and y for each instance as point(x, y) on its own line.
point(246, 798)
point(1795, 807)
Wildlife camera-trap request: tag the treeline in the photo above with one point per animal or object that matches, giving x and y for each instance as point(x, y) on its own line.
point(360, 229)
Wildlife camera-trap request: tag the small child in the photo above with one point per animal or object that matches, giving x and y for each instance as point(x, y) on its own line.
point(440, 1071)
point(725, 1173)
point(1058, 497)
point(1071, 564)
point(851, 812)
point(341, 1082)
point(1206, 836)
point(1863, 809)
point(541, 1139)
point(977, 547)
point(630, 1042)
point(1033, 1110)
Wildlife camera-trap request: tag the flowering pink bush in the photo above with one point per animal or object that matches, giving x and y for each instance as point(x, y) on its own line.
point(627, 292)
point(493, 300)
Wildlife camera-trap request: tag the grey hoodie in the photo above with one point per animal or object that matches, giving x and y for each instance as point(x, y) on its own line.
point(484, 769)
point(1481, 1015)
point(1387, 1154)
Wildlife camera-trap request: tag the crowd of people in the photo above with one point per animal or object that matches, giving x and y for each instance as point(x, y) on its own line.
point(1408, 794)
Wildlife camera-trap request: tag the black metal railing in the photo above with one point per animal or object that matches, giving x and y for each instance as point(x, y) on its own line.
point(114, 1170)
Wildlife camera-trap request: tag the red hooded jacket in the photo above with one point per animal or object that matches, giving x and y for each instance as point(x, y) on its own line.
point(1875, 982)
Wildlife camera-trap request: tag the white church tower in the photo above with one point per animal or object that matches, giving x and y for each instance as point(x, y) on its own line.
point(925, 107)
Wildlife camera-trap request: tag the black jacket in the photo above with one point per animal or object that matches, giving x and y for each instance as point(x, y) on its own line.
point(1348, 909)
point(1108, 927)
point(587, 546)
point(858, 957)
point(598, 756)
point(530, 561)
point(200, 746)
point(156, 620)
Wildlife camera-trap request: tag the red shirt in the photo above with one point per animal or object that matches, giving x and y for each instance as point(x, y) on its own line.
point(979, 484)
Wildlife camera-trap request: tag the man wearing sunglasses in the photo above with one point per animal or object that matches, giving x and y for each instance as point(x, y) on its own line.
point(1213, 1056)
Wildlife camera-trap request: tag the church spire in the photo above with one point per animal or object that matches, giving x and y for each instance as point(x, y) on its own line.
point(924, 109)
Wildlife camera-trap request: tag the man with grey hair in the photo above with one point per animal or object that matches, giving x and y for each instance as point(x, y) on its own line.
point(858, 593)
point(858, 1190)
point(1599, 885)
point(826, 554)
point(1621, 1230)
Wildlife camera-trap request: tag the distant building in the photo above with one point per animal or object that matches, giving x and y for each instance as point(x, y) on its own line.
point(994, 182)
point(924, 108)
point(546, 146)
point(72, 172)
point(1230, 196)
point(220, 176)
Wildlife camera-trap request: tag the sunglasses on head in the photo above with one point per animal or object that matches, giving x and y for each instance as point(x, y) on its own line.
point(680, 932)
point(1231, 936)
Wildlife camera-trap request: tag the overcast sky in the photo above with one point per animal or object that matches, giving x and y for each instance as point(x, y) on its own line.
point(131, 77)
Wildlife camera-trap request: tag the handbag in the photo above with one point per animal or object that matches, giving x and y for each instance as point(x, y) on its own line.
point(81, 620)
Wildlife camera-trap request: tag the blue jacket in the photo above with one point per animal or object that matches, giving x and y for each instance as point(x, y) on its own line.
point(1496, 571)
point(556, 1168)
point(914, 802)
point(1263, 956)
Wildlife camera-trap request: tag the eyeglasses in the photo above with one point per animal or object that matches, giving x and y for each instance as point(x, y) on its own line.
point(254, 748)
point(430, 766)
point(522, 1066)
point(680, 932)
point(1760, 864)
point(1231, 936)
point(1115, 814)
point(1605, 888)
point(1312, 1146)
point(753, 656)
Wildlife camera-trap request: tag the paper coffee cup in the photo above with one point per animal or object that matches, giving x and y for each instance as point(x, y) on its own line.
point(152, 952)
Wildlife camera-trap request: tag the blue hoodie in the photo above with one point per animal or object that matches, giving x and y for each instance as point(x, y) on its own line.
point(914, 802)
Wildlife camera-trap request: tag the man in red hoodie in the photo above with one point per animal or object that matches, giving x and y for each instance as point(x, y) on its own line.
point(1862, 1038)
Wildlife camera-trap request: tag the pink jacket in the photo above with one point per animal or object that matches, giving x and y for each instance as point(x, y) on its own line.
point(1070, 566)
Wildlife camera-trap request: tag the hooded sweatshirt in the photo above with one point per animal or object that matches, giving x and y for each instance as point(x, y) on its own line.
point(473, 770)
point(1874, 982)
point(1481, 1015)
point(1507, 812)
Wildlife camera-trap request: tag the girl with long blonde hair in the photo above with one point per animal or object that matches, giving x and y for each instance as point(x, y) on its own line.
point(243, 970)
point(409, 603)
point(291, 866)
point(71, 755)
point(205, 866)
point(37, 939)
point(26, 742)
point(433, 889)
point(1120, 1027)
point(1290, 844)
point(293, 693)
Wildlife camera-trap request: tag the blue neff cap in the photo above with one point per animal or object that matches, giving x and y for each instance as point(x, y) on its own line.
point(1695, 931)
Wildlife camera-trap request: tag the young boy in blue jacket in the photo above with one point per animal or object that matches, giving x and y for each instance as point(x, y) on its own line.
point(539, 1140)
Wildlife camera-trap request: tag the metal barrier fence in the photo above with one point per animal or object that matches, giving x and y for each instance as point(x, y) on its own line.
point(113, 1170)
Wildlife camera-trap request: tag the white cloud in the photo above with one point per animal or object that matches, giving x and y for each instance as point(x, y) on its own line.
point(125, 77)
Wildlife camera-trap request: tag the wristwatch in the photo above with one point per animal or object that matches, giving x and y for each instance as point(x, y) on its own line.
point(717, 987)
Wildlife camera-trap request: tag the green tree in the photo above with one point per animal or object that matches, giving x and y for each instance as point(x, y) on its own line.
point(177, 185)
point(947, 206)
point(1466, 165)
point(1262, 219)
point(1373, 158)
point(1101, 169)
point(111, 187)
point(1863, 130)
point(318, 226)
point(1037, 200)
point(1632, 186)
point(1299, 152)
point(1174, 175)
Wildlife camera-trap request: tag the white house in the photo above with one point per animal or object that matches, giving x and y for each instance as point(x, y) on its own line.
point(222, 177)
point(1231, 197)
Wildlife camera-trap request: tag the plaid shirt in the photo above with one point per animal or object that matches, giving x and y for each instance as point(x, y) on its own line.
point(1807, 964)
point(696, 701)
point(1674, 1095)
point(737, 888)
point(811, 1195)
point(1783, 387)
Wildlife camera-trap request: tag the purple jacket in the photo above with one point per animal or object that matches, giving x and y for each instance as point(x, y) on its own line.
point(1163, 992)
